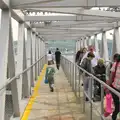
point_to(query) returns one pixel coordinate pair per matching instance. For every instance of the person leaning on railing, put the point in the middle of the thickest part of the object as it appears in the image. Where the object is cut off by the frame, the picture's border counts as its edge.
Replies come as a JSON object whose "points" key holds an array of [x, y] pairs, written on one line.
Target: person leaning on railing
{"points": [[114, 82], [86, 64]]}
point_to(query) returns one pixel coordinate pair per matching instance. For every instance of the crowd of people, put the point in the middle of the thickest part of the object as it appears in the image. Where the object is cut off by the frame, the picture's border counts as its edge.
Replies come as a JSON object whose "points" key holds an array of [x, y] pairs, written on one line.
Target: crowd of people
{"points": [[110, 74]]}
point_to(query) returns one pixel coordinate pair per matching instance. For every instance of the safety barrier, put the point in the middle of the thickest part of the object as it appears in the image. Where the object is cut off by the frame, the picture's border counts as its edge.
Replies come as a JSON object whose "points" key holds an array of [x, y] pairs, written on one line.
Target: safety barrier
{"points": [[73, 74], [13, 98]]}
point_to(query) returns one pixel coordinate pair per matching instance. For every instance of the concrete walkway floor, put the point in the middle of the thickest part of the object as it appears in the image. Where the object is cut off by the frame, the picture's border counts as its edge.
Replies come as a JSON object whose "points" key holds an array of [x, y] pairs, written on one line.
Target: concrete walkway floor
{"points": [[59, 105]]}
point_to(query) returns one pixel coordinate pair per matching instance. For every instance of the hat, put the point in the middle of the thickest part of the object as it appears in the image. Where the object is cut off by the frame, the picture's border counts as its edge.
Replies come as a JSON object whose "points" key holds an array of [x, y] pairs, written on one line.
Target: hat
{"points": [[101, 60]]}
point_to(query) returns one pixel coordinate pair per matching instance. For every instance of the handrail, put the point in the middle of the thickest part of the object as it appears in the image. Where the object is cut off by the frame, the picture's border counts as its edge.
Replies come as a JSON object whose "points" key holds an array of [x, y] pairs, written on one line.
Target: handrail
{"points": [[73, 81], [15, 77], [95, 78]]}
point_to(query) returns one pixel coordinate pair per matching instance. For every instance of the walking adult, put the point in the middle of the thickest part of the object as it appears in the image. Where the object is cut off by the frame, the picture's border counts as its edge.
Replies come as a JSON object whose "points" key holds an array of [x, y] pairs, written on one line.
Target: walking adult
{"points": [[50, 58], [79, 55], [57, 58]]}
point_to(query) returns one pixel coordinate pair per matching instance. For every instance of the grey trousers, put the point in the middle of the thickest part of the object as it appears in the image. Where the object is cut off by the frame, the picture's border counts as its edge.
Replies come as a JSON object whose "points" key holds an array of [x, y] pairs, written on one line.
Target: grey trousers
{"points": [[51, 82], [87, 85]]}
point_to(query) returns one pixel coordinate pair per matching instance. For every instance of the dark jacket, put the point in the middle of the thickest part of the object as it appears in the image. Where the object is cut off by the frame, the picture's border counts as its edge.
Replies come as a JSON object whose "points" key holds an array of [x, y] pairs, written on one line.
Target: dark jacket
{"points": [[79, 56], [100, 69], [57, 56]]}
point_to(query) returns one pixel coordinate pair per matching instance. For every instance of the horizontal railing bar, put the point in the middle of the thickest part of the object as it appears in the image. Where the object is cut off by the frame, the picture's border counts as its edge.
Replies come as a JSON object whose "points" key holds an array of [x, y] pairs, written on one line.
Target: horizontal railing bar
{"points": [[15, 77]]}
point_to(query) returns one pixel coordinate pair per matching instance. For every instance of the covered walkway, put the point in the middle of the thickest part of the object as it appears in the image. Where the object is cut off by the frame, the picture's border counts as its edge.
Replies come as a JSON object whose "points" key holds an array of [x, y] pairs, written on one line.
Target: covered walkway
{"points": [[40, 21], [59, 105]]}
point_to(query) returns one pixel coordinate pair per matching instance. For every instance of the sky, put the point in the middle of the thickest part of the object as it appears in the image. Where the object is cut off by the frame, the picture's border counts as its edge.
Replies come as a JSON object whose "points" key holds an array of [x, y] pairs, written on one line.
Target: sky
{"points": [[15, 30]]}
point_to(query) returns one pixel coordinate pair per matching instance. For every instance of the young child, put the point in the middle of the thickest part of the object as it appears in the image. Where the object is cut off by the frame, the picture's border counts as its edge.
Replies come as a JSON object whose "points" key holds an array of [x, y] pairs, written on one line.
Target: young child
{"points": [[50, 71]]}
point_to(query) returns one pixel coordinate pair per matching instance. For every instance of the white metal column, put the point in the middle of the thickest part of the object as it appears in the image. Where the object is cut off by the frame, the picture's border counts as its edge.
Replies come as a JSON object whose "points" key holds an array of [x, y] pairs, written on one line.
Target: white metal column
{"points": [[116, 42], [104, 50], [38, 55], [29, 58], [33, 54], [89, 41], [77, 45], [81, 43], [5, 46], [39, 52], [36, 48], [22, 63], [96, 43]]}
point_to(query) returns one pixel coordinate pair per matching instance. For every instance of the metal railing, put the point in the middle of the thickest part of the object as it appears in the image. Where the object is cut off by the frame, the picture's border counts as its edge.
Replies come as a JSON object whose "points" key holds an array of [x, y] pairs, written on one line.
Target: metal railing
{"points": [[75, 75], [7, 89]]}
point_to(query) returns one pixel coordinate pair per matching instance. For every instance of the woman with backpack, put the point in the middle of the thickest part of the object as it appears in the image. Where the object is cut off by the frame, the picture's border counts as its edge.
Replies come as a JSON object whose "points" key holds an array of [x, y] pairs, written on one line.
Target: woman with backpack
{"points": [[114, 82]]}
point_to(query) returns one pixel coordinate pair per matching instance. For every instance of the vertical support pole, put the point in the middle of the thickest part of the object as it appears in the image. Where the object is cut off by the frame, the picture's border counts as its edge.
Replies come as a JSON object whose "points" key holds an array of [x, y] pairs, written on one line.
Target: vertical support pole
{"points": [[35, 57], [96, 43], [40, 54], [36, 54], [81, 41], [85, 42], [5, 39], [29, 58], [76, 46], [33, 54], [102, 100], [91, 87], [89, 41], [21, 62], [104, 50], [41, 48], [116, 42], [11, 69]]}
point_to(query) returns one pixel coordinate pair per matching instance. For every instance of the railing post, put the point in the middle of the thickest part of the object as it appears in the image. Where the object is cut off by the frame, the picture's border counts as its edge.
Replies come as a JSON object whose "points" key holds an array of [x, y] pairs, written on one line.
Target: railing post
{"points": [[102, 100], [91, 90], [75, 80], [79, 88], [84, 97]]}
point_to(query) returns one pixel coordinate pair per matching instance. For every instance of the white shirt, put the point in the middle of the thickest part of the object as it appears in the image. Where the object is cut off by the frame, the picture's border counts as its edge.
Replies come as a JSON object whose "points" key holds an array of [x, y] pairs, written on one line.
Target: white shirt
{"points": [[49, 57], [94, 60]]}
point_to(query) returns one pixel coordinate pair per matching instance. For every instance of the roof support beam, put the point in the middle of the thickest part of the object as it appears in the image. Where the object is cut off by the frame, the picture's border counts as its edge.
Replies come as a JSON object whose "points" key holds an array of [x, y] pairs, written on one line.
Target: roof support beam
{"points": [[64, 3], [66, 18], [82, 12]]}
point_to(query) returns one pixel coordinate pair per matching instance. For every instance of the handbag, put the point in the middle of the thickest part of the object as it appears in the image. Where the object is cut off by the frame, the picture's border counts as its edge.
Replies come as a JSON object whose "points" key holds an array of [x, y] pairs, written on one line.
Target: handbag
{"points": [[108, 105], [46, 81]]}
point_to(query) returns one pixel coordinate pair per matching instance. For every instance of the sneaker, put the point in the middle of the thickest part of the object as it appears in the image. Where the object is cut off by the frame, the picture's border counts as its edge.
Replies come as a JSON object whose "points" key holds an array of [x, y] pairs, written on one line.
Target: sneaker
{"points": [[86, 99], [52, 90]]}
